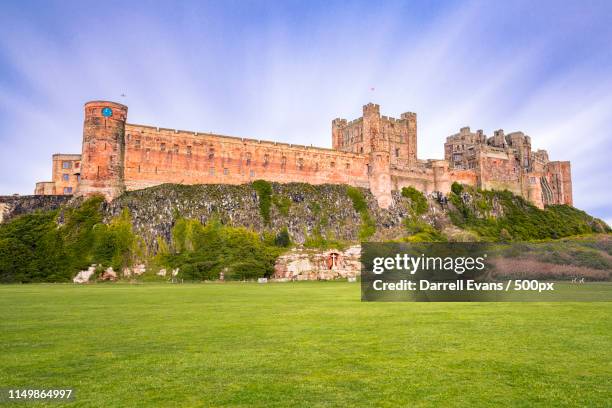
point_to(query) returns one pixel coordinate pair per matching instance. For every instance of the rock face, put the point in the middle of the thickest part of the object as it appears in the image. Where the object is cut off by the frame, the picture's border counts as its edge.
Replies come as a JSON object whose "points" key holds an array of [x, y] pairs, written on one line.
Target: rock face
{"points": [[84, 276], [303, 209], [12, 206], [303, 264], [109, 274]]}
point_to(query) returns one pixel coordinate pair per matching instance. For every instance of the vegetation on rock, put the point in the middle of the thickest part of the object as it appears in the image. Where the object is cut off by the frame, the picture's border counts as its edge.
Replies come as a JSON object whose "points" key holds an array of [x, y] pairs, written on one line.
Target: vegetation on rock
{"points": [[264, 192], [33, 248], [203, 252], [208, 229], [503, 216], [368, 226], [418, 202]]}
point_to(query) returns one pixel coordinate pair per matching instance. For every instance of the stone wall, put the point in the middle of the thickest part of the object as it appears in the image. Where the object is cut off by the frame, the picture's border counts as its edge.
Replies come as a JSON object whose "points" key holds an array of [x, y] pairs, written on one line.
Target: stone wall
{"points": [[155, 156]]}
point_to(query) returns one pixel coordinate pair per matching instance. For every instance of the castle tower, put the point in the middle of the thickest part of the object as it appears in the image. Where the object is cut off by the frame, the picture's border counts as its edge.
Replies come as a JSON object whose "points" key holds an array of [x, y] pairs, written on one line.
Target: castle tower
{"points": [[103, 149], [337, 126], [379, 170], [442, 182], [411, 125]]}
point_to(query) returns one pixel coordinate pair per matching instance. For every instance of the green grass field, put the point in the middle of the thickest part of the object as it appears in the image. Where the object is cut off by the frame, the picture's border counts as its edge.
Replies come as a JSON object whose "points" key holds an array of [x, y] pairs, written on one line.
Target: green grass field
{"points": [[299, 344]]}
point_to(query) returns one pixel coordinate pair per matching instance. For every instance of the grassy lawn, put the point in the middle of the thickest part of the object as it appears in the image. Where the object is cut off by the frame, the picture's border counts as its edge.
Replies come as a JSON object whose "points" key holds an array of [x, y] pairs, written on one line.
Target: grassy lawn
{"points": [[299, 344]]}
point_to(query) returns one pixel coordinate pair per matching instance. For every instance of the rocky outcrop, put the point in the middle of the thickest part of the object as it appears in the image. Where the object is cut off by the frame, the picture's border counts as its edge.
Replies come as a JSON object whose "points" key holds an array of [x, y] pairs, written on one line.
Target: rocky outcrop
{"points": [[304, 264], [12, 206], [304, 209], [109, 275], [85, 276]]}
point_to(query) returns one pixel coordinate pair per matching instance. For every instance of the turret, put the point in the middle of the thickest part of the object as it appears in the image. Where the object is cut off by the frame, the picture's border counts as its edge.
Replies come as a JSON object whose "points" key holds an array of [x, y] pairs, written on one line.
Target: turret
{"points": [[411, 124], [337, 126], [103, 149], [442, 180], [380, 176]]}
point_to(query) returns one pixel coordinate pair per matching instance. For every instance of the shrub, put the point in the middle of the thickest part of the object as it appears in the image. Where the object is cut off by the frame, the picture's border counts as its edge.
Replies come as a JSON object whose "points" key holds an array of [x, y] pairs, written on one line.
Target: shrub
{"points": [[457, 188], [264, 193], [282, 239], [33, 248], [418, 202], [218, 248]]}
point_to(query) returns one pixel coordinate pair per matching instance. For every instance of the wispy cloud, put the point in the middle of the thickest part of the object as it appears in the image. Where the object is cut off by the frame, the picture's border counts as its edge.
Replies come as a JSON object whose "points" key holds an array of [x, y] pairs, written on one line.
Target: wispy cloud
{"points": [[283, 72]]}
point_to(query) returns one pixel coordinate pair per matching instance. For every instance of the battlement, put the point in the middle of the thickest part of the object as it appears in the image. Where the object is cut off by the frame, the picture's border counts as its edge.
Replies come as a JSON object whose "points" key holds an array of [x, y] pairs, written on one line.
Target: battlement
{"points": [[372, 151]]}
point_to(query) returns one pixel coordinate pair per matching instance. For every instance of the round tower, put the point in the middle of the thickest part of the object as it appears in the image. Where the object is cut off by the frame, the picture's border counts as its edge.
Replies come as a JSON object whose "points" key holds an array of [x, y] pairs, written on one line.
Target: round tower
{"points": [[103, 149], [442, 182]]}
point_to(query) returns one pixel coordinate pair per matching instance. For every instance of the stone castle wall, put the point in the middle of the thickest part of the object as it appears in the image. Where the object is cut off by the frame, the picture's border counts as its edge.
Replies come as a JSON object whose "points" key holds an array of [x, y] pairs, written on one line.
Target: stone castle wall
{"points": [[373, 151], [155, 156]]}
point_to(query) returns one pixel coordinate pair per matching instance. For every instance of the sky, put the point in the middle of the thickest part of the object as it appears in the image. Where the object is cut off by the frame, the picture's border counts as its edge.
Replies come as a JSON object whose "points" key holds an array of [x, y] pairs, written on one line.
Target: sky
{"points": [[282, 70]]}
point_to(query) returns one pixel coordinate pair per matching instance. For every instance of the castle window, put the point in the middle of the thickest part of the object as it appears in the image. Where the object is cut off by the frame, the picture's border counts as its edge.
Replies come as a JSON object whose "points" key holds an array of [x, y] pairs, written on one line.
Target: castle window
{"points": [[79, 176], [397, 151], [248, 159], [137, 143], [300, 164], [226, 171], [77, 165], [162, 147], [361, 149], [348, 165], [211, 154], [252, 173], [266, 159], [65, 177], [188, 150], [211, 171], [67, 190], [176, 148], [66, 165], [332, 164]]}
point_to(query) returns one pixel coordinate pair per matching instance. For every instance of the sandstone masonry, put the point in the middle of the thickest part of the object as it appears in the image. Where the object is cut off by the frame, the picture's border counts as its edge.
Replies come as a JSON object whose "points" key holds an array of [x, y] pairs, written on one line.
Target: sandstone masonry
{"points": [[373, 151]]}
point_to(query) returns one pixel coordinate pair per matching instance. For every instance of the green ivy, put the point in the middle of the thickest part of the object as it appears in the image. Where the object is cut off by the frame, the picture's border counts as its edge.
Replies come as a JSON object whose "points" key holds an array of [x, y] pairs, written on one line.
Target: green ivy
{"points": [[368, 226], [264, 192]]}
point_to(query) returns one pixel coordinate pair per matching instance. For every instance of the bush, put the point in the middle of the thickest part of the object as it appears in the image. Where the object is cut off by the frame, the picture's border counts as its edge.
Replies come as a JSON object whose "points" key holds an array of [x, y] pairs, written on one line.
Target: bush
{"points": [[216, 248], [418, 202], [282, 239], [33, 248], [457, 188]]}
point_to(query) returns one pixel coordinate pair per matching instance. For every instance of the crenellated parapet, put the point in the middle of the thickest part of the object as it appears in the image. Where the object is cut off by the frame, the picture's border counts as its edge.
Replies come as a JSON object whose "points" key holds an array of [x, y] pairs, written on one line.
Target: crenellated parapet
{"points": [[373, 151]]}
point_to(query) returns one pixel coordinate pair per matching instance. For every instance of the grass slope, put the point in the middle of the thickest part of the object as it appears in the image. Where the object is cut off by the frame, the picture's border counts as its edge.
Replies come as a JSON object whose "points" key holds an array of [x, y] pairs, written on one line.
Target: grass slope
{"points": [[305, 344]]}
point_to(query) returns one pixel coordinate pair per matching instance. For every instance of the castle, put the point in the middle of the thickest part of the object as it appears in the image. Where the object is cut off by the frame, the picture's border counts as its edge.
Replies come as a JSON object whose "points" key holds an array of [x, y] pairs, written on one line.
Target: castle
{"points": [[373, 151]]}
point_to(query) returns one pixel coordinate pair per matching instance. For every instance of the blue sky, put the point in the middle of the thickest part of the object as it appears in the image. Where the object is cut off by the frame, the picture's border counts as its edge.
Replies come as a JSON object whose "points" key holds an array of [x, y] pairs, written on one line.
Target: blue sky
{"points": [[283, 70]]}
